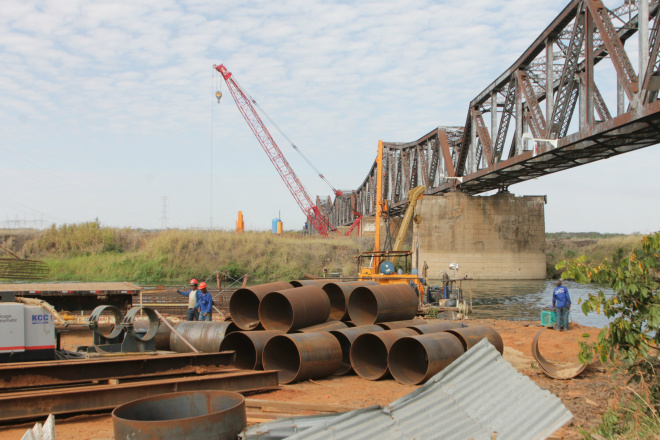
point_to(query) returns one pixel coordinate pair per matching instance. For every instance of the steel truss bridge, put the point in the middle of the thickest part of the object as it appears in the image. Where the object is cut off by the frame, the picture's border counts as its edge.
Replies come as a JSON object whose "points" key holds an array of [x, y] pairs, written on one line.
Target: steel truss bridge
{"points": [[536, 98]]}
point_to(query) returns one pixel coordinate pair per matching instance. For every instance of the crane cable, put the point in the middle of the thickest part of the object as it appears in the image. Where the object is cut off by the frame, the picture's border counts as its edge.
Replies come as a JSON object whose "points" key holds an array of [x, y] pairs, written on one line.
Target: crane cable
{"points": [[334, 190]]}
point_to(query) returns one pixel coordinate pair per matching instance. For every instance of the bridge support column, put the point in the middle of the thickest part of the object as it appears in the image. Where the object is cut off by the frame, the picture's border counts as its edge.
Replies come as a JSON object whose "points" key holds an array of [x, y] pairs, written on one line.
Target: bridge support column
{"points": [[493, 237]]}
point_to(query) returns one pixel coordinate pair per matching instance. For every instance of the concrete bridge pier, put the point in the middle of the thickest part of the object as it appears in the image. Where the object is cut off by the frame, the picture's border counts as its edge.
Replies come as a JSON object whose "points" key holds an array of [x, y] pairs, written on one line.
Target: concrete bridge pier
{"points": [[491, 237]]}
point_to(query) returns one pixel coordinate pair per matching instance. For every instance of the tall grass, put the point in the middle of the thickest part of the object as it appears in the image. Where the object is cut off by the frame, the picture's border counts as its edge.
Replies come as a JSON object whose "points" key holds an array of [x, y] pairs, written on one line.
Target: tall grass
{"points": [[87, 252]]}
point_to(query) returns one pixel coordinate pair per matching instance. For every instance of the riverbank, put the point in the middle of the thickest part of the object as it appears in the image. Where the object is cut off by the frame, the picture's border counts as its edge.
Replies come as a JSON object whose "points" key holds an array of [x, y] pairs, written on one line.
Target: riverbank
{"points": [[90, 252]]}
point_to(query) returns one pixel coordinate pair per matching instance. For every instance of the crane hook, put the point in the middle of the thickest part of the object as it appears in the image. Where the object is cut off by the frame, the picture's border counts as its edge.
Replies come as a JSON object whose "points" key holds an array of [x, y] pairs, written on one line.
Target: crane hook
{"points": [[218, 95]]}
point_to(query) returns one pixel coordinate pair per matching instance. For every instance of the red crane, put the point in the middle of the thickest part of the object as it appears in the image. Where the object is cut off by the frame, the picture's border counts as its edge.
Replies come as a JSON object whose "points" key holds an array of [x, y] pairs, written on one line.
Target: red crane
{"points": [[314, 215]]}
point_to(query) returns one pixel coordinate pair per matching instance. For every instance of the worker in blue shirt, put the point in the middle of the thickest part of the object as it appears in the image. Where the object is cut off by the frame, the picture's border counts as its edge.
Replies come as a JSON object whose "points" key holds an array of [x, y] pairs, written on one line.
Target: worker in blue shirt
{"points": [[193, 300], [562, 303], [205, 304]]}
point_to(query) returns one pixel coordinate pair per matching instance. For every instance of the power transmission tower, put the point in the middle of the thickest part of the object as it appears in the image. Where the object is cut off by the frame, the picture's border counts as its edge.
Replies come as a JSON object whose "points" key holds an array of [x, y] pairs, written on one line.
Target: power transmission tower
{"points": [[163, 219]]}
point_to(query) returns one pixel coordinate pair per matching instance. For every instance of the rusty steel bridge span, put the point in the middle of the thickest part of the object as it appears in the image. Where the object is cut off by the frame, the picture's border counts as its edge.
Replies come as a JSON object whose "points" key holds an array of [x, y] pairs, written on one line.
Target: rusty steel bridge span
{"points": [[518, 127]]}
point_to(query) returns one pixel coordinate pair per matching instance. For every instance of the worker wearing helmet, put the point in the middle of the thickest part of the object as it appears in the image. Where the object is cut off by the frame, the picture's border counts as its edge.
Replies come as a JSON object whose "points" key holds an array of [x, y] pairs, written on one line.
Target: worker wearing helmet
{"points": [[205, 304], [194, 296]]}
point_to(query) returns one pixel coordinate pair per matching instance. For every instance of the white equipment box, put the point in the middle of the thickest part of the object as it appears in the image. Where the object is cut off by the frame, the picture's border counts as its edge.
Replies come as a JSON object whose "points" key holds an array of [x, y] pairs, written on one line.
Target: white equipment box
{"points": [[26, 333]]}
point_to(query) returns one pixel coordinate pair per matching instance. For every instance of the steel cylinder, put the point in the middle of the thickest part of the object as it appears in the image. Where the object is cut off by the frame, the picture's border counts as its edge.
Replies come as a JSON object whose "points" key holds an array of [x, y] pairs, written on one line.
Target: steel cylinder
{"points": [[393, 325], [391, 302], [415, 359], [295, 308], [469, 336], [204, 336], [249, 347], [244, 303], [193, 415], [162, 338], [435, 326], [346, 337], [324, 327], [338, 294], [369, 352], [301, 356]]}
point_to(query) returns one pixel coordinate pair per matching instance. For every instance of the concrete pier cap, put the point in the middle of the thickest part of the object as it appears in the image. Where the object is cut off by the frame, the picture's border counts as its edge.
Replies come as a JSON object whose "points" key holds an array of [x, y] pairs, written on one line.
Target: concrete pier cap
{"points": [[501, 236]]}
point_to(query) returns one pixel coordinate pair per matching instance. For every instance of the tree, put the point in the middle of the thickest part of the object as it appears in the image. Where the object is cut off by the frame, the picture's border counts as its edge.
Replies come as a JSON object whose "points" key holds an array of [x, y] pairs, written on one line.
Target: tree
{"points": [[633, 335]]}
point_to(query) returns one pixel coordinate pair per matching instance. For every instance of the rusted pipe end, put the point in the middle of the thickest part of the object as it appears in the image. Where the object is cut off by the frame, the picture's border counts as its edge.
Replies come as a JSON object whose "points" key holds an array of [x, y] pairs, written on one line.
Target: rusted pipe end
{"points": [[556, 371], [346, 338], [415, 359], [302, 356], [381, 303], [338, 294], [363, 306], [244, 303], [248, 347], [369, 352]]}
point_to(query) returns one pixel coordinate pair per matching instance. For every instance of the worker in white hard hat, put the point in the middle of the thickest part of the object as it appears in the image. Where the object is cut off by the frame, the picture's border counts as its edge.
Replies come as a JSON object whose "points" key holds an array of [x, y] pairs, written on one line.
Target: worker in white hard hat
{"points": [[194, 296]]}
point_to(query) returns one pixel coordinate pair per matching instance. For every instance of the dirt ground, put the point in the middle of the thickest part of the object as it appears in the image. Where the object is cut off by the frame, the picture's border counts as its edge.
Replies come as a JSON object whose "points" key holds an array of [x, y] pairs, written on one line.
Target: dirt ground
{"points": [[587, 396]]}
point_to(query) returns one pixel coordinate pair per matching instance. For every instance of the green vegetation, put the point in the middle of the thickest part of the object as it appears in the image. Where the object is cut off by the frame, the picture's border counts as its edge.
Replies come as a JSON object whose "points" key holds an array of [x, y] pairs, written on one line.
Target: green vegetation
{"points": [[90, 252], [632, 338]]}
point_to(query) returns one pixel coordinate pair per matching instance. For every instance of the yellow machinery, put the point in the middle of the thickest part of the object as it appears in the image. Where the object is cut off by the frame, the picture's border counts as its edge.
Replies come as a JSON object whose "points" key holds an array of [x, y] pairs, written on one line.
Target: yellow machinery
{"points": [[380, 265]]}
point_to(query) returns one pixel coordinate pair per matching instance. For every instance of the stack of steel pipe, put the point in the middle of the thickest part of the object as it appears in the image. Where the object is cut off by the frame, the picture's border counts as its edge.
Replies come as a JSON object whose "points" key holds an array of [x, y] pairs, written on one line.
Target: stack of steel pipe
{"points": [[408, 323], [291, 309], [244, 303], [470, 336], [249, 347], [302, 356], [338, 294], [391, 302]]}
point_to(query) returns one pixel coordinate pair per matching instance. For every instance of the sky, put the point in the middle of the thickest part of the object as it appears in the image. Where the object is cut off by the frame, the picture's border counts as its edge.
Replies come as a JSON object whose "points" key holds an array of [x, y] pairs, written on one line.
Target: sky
{"points": [[108, 109]]}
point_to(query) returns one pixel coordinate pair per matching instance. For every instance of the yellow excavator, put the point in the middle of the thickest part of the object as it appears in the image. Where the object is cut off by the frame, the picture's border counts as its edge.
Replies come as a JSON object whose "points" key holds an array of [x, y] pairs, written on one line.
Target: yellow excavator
{"points": [[380, 266]]}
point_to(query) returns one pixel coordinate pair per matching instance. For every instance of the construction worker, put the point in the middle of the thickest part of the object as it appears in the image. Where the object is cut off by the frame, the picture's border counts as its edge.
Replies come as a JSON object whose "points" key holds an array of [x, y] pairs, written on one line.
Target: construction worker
{"points": [[561, 301], [205, 304], [194, 296]]}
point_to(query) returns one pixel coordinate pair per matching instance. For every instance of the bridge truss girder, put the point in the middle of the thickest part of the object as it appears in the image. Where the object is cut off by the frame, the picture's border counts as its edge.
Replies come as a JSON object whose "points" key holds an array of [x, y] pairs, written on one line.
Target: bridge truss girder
{"points": [[539, 94]]}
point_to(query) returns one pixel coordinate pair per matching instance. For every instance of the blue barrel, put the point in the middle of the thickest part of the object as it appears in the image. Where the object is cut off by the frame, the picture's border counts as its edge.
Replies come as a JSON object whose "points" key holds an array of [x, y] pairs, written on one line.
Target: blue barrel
{"points": [[275, 221]]}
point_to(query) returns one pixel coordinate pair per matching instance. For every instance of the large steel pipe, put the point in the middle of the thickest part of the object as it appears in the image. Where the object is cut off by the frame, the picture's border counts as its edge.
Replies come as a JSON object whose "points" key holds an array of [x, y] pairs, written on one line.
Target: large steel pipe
{"points": [[392, 302], [435, 326], [244, 303], [415, 359], [346, 337], [190, 415], [324, 327], [204, 336], [393, 325], [295, 308], [338, 294], [249, 347], [302, 356], [369, 352], [469, 336], [301, 283]]}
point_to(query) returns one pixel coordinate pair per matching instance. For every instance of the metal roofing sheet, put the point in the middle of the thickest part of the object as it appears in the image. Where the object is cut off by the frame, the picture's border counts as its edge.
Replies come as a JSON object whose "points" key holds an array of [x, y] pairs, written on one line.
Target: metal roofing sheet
{"points": [[478, 395], [73, 287]]}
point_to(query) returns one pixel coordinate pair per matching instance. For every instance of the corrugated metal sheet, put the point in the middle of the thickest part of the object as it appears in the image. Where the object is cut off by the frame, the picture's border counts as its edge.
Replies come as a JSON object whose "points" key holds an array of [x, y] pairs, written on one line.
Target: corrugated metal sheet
{"points": [[479, 396], [72, 287]]}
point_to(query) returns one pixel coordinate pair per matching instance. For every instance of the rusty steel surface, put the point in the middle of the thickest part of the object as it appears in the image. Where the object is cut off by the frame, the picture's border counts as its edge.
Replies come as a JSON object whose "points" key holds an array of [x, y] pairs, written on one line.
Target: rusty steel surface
{"points": [[324, 327], [295, 308], [434, 327], [205, 336], [338, 294], [415, 359], [244, 303], [561, 371], [408, 323], [301, 356], [470, 336], [551, 88], [248, 347], [346, 337], [73, 400], [33, 374], [369, 352], [392, 302], [319, 283], [192, 415]]}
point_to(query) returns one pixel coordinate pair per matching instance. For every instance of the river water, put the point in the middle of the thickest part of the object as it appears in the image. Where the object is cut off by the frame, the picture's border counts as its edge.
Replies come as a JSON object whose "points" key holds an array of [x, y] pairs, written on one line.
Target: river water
{"points": [[523, 300]]}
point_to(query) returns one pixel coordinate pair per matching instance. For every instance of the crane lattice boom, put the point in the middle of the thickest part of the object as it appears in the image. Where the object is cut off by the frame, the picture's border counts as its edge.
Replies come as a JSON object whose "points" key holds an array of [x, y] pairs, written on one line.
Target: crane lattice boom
{"points": [[275, 155]]}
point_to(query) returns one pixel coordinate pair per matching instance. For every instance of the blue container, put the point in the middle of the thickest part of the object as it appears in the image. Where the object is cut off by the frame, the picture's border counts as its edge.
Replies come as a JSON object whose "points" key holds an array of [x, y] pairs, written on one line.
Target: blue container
{"points": [[275, 220]]}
